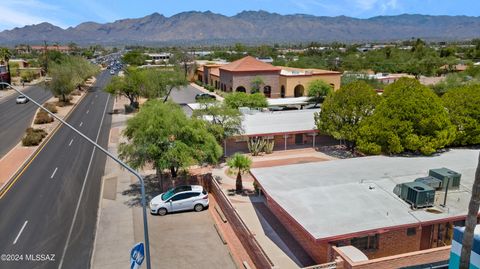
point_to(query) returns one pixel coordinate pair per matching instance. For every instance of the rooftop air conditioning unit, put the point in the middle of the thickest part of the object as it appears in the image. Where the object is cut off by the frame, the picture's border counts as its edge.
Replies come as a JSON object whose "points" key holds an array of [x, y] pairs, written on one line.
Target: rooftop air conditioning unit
{"points": [[430, 181], [417, 194], [444, 174]]}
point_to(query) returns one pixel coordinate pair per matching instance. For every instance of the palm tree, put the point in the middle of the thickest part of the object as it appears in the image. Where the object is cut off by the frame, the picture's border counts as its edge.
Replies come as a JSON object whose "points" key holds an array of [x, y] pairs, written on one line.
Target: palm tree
{"points": [[471, 221], [242, 163], [5, 55]]}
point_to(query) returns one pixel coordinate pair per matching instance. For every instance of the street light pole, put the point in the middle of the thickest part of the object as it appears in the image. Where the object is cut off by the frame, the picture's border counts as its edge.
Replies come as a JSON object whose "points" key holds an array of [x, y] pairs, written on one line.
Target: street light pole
{"points": [[124, 165]]}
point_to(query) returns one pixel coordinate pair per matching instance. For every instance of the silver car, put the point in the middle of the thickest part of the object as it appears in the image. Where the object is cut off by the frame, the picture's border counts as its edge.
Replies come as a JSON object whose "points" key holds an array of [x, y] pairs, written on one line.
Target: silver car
{"points": [[182, 198], [21, 99]]}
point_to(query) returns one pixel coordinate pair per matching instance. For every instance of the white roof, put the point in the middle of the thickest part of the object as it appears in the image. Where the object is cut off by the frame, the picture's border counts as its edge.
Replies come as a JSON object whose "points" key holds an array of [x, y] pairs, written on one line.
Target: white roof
{"points": [[262, 123], [288, 101], [335, 198]]}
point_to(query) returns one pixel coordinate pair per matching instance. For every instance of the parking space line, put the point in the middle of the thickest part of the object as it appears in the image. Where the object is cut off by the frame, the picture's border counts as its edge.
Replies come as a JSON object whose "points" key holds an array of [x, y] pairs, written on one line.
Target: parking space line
{"points": [[71, 141], [88, 111], [81, 123], [55, 171], [19, 233]]}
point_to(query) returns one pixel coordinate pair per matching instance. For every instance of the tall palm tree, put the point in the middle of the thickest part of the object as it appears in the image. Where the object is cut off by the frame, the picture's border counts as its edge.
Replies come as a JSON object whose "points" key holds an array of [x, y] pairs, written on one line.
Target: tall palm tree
{"points": [[471, 221], [243, 164]]}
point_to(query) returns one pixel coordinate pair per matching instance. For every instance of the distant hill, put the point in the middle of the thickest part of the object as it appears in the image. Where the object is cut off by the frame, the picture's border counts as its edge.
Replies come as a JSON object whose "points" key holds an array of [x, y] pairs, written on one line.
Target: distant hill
{"points": [[249, 27]]}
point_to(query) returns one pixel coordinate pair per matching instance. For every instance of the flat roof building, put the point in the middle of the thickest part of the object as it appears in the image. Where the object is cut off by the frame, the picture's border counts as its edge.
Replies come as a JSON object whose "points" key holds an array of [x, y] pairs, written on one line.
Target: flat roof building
{"points": [[351, 202]]}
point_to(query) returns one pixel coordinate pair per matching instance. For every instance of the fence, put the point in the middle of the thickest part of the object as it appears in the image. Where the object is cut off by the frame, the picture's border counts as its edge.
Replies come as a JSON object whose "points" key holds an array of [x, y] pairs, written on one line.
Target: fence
{"points": [[253, 248]]}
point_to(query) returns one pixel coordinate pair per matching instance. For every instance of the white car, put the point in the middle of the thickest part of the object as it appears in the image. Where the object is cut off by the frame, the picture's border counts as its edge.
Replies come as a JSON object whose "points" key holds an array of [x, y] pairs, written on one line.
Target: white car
{"points": [[21, 99], [112, 72], [189, 197]]}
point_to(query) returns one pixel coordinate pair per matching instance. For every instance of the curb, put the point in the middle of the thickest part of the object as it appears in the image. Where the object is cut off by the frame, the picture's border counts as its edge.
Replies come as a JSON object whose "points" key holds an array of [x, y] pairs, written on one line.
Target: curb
{"points": [[9, 183], [100, 200]]}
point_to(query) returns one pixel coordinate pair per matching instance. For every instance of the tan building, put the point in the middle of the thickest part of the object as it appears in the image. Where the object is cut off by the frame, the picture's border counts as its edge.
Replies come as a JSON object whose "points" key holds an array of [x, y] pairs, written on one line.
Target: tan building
{"points": [[277, 81]]}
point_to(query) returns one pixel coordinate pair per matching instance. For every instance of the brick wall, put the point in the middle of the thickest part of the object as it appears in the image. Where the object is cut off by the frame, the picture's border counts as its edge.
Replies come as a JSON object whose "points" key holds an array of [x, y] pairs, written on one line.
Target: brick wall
{"points": [[396, 242], [398, 261], [245, 79]]}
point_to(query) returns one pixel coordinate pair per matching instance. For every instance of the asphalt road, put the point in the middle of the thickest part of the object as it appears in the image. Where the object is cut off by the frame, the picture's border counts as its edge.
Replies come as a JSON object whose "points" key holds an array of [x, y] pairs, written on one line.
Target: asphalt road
{"points": [[52, 207], [14, 119], [183, 96]]}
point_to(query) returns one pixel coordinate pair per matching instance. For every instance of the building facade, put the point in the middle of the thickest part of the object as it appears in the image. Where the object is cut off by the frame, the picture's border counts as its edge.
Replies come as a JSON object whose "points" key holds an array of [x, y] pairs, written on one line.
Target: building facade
{"points": [[250, 74]]}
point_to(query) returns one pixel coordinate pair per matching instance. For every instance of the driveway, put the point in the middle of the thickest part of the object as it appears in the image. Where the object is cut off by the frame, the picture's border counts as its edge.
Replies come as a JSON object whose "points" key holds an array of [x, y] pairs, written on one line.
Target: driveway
{"points": [[184, 240]]}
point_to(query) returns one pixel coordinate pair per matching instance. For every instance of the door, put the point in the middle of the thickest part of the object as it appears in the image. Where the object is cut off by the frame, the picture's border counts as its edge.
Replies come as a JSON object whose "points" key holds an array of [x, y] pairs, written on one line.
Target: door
{"points": [[299, 139], [426, 238], [179, 202]]}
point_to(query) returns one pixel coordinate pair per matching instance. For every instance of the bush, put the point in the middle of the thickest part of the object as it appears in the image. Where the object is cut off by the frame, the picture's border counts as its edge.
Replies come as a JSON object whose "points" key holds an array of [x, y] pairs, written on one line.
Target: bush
{"points": [[51, 107], [43, 117], [33, 137], [27, 76]]}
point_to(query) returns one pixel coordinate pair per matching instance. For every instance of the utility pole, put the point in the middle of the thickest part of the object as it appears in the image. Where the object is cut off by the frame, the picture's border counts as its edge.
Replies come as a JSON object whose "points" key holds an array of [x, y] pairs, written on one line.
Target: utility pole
{"points": [[45, 54]]}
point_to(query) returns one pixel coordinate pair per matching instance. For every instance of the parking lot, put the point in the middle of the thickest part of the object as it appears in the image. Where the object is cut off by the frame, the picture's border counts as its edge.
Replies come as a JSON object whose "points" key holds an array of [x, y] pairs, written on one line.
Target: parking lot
{"points": [[184, 240]]}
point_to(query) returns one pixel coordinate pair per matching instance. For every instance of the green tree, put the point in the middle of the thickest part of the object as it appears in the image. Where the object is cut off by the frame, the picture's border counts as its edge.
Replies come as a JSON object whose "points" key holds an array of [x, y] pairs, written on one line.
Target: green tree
{"points": [[162, 135], [135, 58], [242, 163], [344, 110], [64, 80], [410, 117], [223, 121], [318, 90], [463, 106], [5, 55], [241, 99], [256, 84]]}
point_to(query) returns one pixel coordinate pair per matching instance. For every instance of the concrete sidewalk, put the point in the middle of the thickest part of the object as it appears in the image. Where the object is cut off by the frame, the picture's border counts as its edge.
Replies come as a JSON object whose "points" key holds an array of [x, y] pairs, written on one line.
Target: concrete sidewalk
{"points": [[115, 231]]}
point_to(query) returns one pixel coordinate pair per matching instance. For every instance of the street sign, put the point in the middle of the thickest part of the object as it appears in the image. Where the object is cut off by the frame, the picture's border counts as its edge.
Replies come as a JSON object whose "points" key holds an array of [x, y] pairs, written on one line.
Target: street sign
{"points": [[137, 255]]}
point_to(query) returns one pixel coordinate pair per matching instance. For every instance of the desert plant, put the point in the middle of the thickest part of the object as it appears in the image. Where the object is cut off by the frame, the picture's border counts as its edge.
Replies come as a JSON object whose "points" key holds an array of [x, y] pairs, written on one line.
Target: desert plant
{"points": [[42, 118], [33, 137], [268, 148], [51, 107], [256, 145]]}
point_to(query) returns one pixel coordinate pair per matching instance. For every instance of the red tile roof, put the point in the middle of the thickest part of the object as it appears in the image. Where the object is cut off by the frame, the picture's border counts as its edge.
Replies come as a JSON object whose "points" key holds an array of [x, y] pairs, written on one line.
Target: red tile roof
{"points": [[247, 64]]}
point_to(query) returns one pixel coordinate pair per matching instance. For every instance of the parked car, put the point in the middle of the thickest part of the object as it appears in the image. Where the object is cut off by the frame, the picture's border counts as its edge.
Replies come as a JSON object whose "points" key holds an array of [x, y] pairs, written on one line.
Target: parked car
{"points": [[181, 198], [205, 96], [21, 99], [112, 72]]}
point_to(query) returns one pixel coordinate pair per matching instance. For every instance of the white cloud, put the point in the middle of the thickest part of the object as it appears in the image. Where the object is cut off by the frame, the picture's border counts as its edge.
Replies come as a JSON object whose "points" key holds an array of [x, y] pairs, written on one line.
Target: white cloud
{"points": [[381, 5], [18, 13]]}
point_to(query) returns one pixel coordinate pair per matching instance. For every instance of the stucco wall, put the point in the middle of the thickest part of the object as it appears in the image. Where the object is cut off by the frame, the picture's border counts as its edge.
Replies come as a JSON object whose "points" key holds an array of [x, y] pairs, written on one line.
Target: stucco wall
{"points": [[290, 82]]}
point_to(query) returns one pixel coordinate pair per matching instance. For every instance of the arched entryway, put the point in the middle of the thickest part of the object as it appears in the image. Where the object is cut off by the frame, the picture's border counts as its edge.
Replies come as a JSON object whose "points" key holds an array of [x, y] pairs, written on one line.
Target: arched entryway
{"points": [[299, 90], [282, 91], [241, 89], [267, 91]]}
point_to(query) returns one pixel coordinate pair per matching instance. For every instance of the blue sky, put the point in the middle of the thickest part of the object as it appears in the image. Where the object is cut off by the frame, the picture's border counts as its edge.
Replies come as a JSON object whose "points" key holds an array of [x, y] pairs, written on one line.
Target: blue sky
{"points": [[65, 13]]}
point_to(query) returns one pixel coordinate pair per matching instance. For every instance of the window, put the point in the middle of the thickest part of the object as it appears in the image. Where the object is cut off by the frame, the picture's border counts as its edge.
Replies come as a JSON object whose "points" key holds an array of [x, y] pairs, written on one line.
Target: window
{"points": [[182, 188], [366, 242], [181, 196], [411, 231]]}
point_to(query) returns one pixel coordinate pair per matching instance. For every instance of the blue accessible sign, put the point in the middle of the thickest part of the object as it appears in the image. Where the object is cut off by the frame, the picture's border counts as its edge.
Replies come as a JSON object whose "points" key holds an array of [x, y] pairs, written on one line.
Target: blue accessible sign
{"points": [[137, 256]]}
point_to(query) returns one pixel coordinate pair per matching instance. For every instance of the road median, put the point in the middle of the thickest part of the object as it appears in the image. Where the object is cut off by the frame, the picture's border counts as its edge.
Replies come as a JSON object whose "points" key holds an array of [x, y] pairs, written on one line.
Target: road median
{"points": [[15, 162]]}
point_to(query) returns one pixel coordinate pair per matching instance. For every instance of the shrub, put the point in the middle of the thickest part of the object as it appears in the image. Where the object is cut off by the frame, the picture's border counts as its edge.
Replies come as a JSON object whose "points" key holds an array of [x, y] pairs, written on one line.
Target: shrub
{"points": [[27, 76], [129, 109], [43, 117], [51, 107], [33, 137]]}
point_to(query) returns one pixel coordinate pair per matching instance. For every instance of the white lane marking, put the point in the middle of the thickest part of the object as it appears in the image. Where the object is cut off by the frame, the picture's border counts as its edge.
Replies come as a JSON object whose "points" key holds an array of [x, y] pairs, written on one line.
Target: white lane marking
{"points": [[56, 168], [19, 233], [71, 141], [83, 188], [81, 123], [88, 111]]}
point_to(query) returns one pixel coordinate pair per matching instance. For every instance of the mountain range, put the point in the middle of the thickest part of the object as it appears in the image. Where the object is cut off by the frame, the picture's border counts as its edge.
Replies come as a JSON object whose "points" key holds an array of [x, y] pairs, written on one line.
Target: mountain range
{"points": [[251, 27]]}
